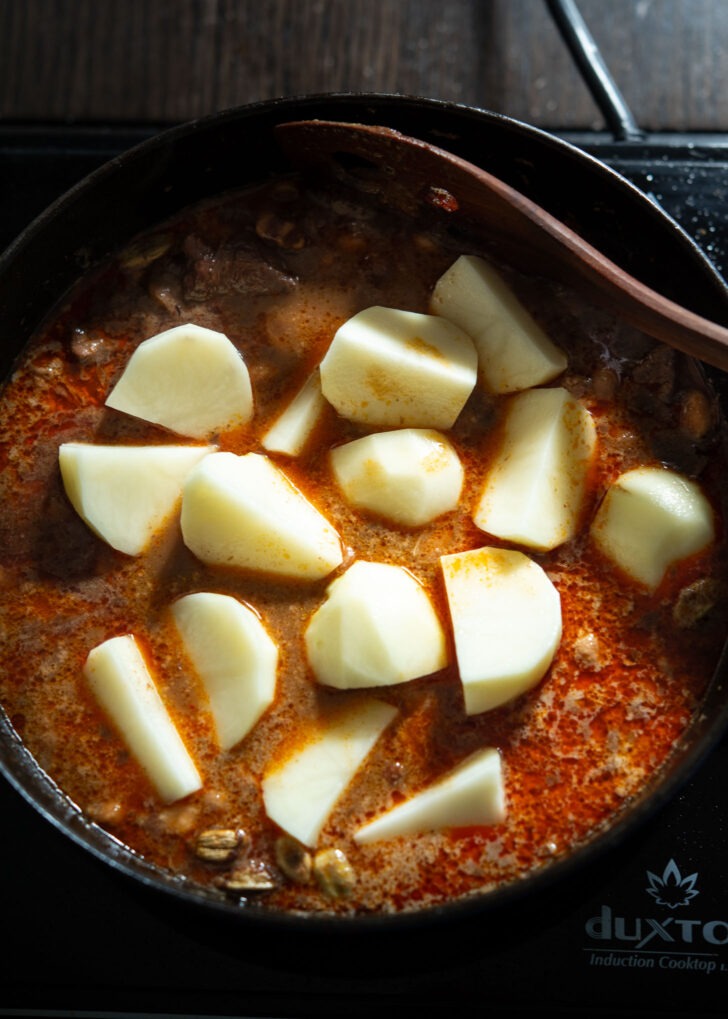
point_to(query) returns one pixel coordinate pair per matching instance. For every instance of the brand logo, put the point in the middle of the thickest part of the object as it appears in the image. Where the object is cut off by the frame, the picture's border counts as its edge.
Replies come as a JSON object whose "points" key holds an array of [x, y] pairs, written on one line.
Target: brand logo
{"points": [[671, 890], [660, 942]]}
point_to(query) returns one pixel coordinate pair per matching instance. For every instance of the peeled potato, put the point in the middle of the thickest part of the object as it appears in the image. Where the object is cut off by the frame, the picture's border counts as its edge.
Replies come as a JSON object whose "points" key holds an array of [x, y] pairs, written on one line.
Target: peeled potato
{"points": [[234, 656], [650, 518], [398, 369], [300, 794], [410, 475], [534, 490], [189, 379], [244, 512], [126, 494], [120, 680], [471, 794], [514, 352], [291, 430], [506, 620], [377, 627]]}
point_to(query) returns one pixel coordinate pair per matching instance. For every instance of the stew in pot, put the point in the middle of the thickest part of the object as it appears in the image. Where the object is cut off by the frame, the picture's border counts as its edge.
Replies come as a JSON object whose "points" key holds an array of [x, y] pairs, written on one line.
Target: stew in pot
{"points": [[374, 619]]}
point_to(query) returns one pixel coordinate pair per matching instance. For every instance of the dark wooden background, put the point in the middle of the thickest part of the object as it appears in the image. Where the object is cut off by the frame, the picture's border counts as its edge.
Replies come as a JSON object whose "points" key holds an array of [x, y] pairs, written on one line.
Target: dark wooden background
{"points": [[169, 60]]}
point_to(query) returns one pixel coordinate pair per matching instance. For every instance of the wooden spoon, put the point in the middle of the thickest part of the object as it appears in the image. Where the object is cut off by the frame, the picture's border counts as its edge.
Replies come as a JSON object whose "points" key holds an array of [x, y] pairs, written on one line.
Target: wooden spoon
{"points": [[417, 177]]}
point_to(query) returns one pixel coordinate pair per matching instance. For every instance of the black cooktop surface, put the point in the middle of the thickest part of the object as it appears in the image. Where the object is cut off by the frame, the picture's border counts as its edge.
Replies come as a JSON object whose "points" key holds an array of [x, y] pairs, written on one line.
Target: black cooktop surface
{"points": [[640, 932]]}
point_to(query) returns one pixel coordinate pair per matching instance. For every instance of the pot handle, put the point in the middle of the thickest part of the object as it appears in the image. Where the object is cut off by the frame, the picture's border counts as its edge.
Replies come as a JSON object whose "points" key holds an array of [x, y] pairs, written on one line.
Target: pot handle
{"points": [[575, 33]]}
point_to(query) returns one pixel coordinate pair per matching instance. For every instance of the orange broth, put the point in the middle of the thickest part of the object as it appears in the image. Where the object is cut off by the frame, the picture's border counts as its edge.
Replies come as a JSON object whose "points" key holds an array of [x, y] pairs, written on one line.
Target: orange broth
{"points": [[278, 269]]}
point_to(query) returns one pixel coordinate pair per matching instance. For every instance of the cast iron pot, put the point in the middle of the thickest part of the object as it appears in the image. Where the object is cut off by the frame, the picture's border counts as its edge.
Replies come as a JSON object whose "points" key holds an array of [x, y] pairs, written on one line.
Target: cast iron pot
{"points": [[149, 183]]}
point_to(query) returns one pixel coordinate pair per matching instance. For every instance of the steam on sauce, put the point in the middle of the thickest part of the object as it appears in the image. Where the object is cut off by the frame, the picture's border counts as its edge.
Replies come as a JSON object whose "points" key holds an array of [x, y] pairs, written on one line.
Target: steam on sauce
{"points": [[278, 270]]}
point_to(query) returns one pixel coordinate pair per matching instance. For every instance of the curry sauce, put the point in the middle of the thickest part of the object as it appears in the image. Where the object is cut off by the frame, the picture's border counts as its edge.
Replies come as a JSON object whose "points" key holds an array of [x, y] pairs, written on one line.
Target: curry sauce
{"points": [[278, 269]]}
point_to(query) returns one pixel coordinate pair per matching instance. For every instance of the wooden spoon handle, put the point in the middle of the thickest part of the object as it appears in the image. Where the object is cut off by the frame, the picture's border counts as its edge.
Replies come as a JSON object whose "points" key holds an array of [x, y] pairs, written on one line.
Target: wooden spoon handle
{"points": [[418, 177]]}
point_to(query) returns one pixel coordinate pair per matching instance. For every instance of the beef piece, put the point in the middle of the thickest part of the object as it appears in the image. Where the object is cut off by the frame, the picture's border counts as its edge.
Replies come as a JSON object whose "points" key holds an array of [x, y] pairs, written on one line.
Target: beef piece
{"points": [[230, 269]]}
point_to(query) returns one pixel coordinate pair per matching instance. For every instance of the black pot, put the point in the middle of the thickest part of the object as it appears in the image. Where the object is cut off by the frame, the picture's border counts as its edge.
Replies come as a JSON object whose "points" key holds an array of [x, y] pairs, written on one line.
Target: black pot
{"points": [[230, 149]]}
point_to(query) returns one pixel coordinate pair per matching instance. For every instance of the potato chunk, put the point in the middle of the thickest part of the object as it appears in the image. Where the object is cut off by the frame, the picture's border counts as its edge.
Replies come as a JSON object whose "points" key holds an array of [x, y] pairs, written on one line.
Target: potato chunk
{"points": [[291, 430], [471, 794], [244, 512], [410, 476], [392, 368], [506, 619], [650, 518], [534, 491], [234, 657], [377, 627], [120, 680], [514, 352], [189, 379], [300, 793], [126, 494]]}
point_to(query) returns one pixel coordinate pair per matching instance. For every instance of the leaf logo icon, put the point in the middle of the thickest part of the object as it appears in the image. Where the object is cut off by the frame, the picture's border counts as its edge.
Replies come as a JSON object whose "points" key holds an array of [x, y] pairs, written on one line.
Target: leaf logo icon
{"points": [[672, 889]]}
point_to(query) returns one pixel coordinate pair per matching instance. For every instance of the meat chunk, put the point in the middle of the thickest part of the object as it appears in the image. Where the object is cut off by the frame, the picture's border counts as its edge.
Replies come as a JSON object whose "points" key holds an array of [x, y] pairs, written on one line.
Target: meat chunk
{"points": [[230, 269]]}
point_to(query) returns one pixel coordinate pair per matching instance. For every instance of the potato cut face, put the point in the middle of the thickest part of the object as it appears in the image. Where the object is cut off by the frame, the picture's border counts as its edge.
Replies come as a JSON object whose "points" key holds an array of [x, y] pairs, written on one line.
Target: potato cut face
{"points": [[301, 793], [650, 519], [127, 494], [120, 680], [243, 512], [189, 379], [473, 794], [377, 627], [234, 656], [393, 368], [506, 621], [534, 491], [410, 476], [290, 432], [514, 352]]}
